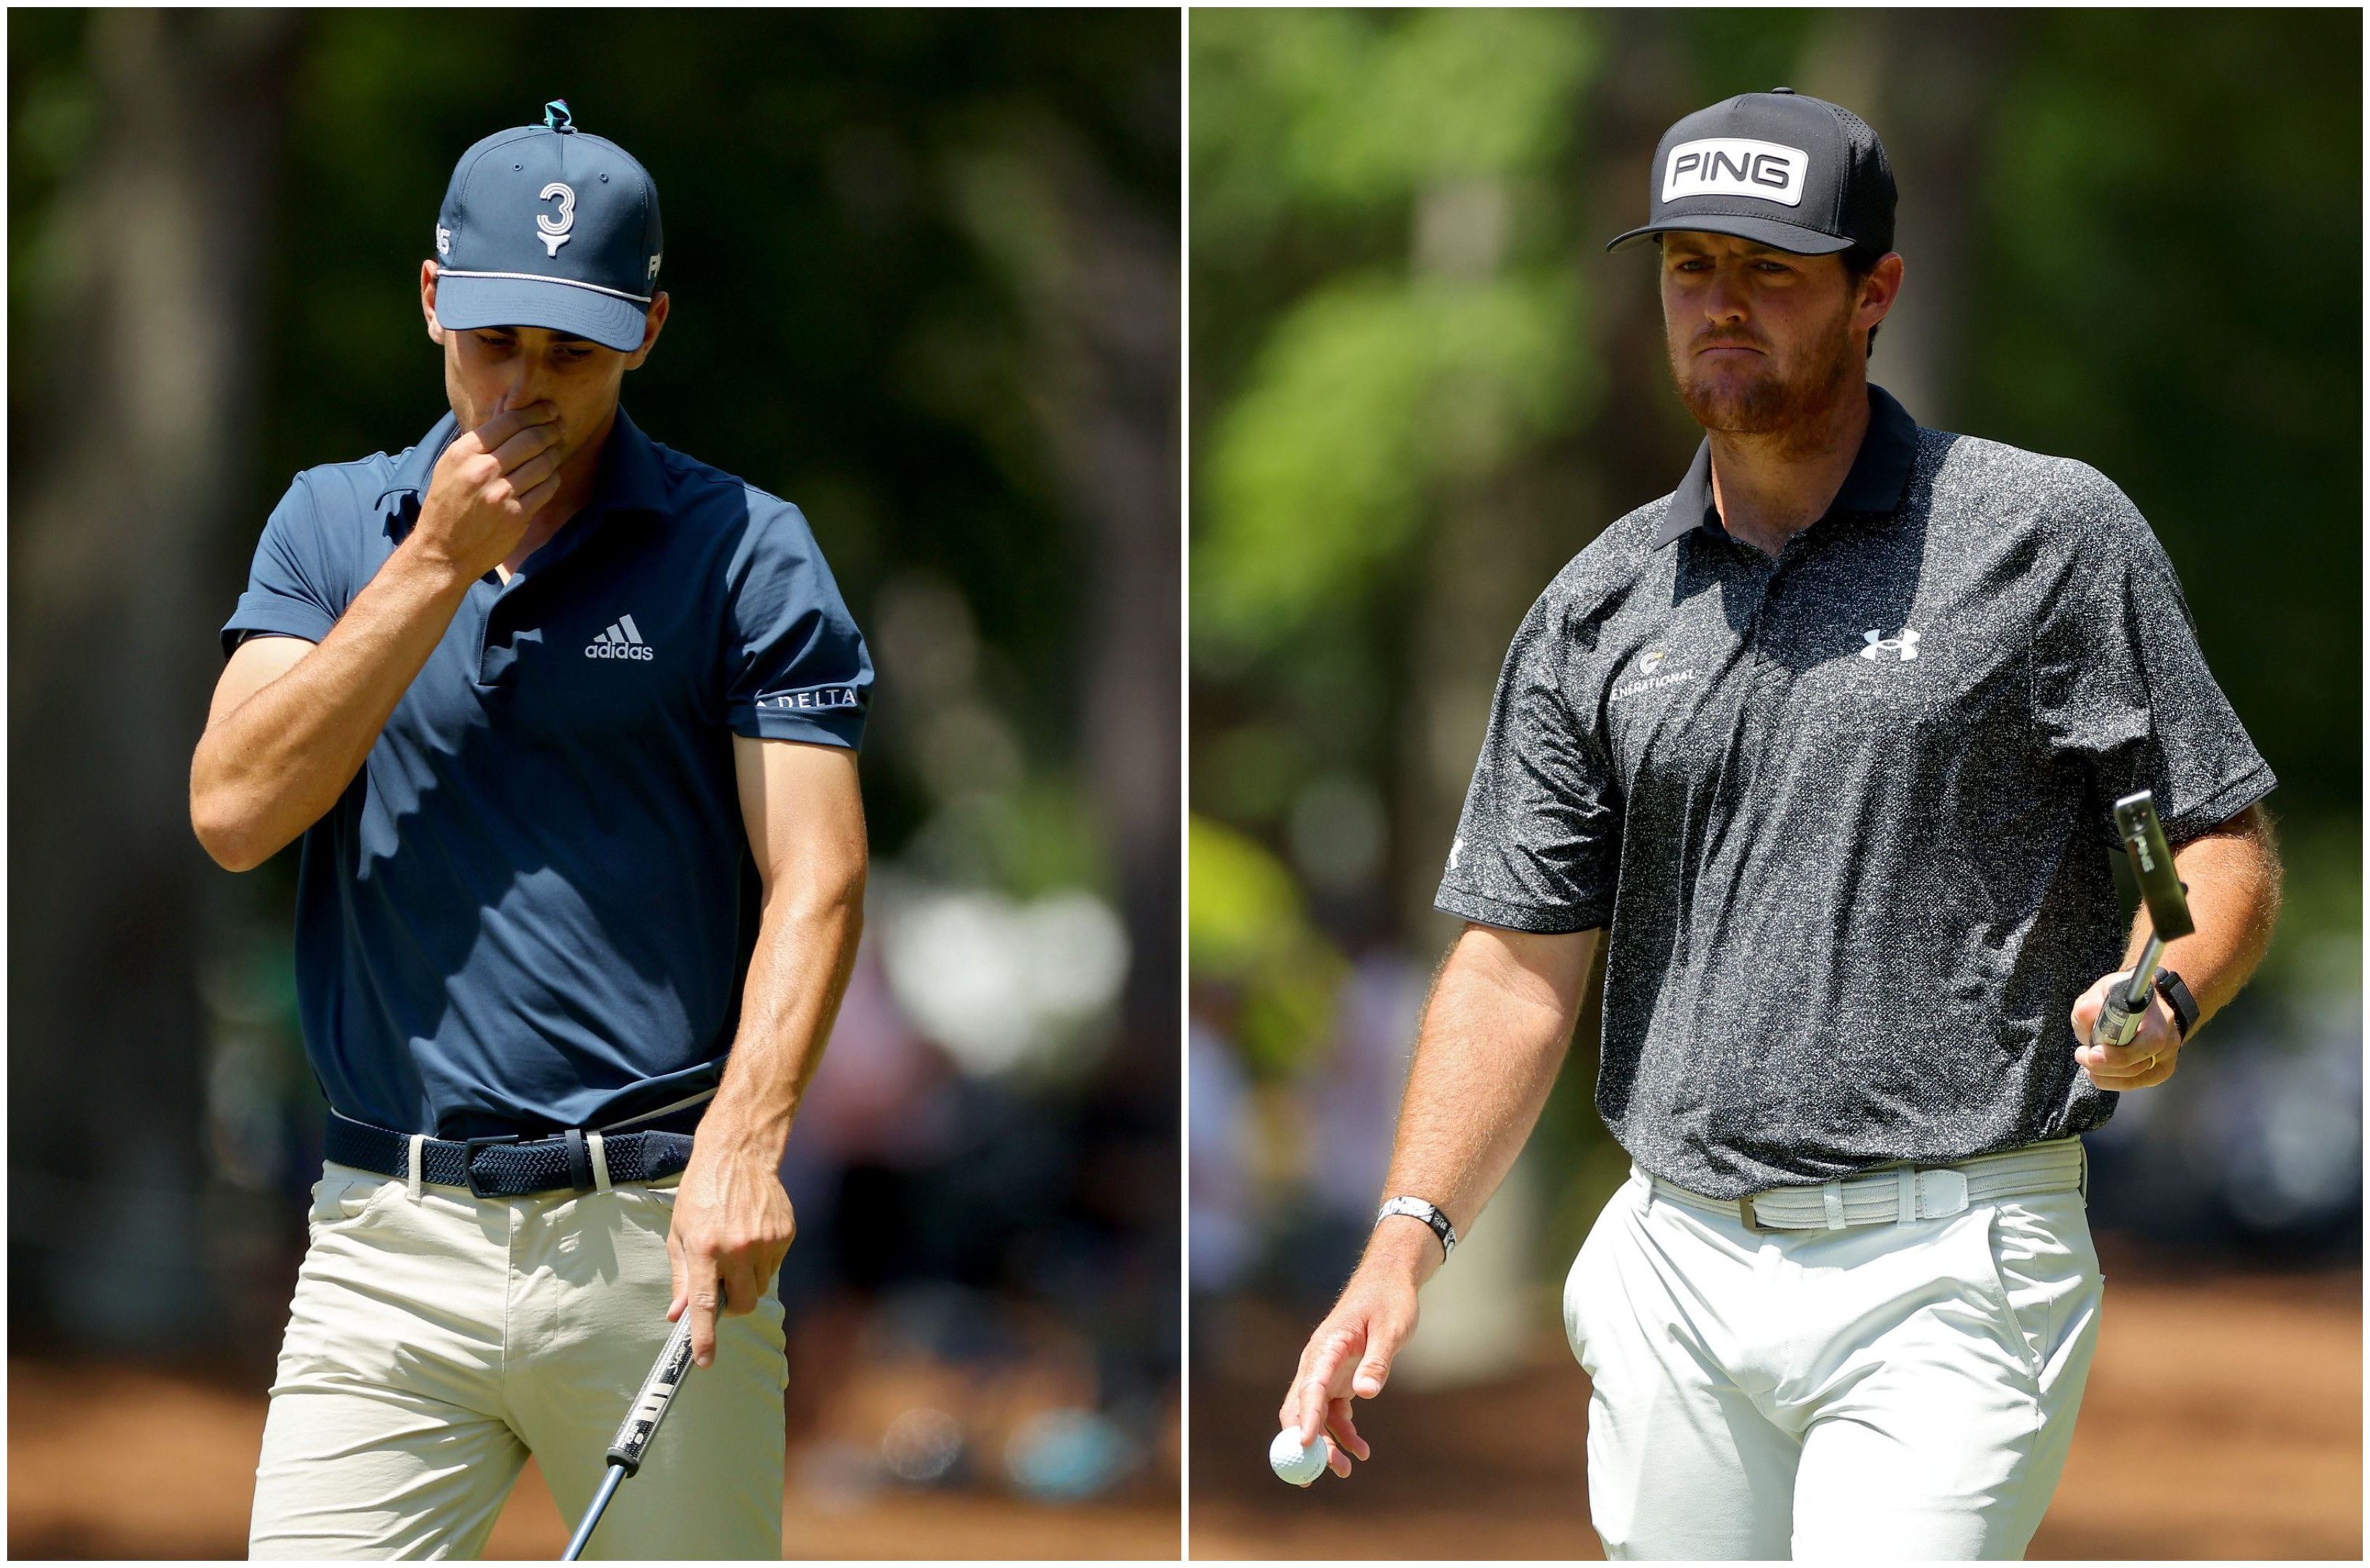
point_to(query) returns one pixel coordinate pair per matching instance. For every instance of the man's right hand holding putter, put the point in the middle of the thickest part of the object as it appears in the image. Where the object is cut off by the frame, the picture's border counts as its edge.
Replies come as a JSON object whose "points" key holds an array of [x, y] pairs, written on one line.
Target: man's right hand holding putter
{"points": [[1494, 1033]]}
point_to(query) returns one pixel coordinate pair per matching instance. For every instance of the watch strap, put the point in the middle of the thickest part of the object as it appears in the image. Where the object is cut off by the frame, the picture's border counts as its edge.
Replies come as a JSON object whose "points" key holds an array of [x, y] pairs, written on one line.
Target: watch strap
{"points": [[2184, 1003], [1416, 1208]]}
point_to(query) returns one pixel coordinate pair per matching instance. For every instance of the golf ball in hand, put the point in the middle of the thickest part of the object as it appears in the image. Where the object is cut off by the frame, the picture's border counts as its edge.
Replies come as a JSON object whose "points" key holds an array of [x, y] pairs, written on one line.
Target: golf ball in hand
{"points": [[1294, 1460]]}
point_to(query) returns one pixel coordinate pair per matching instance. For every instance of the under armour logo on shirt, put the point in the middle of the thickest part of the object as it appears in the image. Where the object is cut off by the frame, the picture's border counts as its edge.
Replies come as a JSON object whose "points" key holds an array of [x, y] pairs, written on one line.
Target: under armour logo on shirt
{"points": [[1903, 647]]}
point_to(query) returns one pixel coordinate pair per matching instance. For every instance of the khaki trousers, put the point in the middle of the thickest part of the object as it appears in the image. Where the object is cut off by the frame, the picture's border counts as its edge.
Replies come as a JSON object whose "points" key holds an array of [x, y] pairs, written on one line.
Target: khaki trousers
{"points": [[437, 1339]]}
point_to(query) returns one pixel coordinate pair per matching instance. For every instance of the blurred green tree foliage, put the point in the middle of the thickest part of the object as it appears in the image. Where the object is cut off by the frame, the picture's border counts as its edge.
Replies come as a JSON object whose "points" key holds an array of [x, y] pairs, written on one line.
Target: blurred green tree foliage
{"points": [[2169, 285], [1393, 369], [1249, 932]]}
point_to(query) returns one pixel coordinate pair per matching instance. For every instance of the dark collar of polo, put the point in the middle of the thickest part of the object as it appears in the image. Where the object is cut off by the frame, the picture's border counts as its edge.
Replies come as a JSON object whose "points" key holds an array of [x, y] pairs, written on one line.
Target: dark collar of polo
{"points": [[1879, 474], [630, 479]]}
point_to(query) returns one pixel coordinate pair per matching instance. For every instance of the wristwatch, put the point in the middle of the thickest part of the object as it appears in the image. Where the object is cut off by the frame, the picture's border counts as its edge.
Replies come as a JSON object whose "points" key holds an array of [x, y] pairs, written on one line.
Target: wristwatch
{"points": [[1416, 1209], [2184, 1005]]}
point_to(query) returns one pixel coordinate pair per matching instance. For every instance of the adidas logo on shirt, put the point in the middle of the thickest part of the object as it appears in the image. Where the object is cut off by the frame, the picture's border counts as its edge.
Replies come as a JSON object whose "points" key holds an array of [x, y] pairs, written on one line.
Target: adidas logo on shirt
{"points": [[622, 640]]}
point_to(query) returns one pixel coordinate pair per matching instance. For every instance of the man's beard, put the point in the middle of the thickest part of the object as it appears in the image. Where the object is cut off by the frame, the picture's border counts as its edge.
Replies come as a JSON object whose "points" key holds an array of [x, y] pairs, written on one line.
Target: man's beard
{"points": [[1767, 401]]}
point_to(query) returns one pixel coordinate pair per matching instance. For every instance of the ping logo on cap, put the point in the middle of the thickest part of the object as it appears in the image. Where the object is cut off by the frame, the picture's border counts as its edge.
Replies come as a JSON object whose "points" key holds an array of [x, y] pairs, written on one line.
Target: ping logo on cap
{"points": [[1729, 166]]}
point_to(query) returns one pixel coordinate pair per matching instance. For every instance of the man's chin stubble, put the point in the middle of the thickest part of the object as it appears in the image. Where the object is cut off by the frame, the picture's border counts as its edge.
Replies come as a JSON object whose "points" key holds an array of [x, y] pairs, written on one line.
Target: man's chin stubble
{"points": [[1757, 409], [1765, 404]]}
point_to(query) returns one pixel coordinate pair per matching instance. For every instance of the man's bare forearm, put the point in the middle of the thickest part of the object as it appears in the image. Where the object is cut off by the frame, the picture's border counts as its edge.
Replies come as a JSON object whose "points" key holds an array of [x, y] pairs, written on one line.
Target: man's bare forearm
{"points": [[270, 767], [1494, 1035], [2233, 875], [806, 950]]}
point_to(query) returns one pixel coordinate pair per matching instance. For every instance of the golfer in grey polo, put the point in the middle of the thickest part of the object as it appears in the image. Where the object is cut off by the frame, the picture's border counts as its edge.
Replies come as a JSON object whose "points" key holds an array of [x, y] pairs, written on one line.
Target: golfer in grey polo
{"points": [[1827, 741]]}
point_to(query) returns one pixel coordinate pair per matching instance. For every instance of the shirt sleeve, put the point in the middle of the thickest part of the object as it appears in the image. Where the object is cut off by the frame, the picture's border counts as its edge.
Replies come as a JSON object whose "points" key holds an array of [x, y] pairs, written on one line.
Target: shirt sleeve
{"points": [[2122, 691], [796, 667], [292, 587], [1538, 844]]}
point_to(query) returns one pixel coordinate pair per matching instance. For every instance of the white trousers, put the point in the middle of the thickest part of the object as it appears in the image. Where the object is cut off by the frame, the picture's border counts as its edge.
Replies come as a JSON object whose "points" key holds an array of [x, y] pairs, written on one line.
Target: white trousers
{"points": [[437, 1339], [1879, 1391]]}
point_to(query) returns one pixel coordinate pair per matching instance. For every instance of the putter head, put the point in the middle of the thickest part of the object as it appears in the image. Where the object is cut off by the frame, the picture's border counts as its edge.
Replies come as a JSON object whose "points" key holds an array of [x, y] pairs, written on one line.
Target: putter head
{"points": [[2160, 888]]}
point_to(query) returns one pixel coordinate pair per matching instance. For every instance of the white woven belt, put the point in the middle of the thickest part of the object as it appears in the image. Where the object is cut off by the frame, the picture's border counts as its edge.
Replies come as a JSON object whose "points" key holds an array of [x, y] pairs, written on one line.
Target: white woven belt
{"points": [[1897, 1196]]}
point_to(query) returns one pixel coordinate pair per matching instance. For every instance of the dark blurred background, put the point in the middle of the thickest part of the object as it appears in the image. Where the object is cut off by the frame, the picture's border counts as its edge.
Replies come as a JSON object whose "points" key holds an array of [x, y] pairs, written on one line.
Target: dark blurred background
{"points": [[925, 278], [1420, 387]]}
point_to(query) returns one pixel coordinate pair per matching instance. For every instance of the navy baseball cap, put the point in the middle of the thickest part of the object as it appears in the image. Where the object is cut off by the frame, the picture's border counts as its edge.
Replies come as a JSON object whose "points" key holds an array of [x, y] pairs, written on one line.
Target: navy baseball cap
{"points": [[547, 226], [1794, 173]]}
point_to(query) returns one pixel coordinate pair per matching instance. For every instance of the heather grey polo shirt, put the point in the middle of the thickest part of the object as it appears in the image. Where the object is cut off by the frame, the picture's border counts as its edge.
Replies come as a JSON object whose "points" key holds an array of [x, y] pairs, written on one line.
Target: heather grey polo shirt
{"points": [[1847, 811]]}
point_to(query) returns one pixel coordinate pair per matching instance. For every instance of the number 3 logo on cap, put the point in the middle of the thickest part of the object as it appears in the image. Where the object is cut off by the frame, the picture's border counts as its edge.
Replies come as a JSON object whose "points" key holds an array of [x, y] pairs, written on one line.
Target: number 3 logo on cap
{"points": [[555, 233]]}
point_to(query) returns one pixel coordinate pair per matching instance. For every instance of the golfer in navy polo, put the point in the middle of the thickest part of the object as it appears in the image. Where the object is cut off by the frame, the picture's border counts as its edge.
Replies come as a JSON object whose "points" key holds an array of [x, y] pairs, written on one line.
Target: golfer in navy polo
{"points": [[566, 722]]}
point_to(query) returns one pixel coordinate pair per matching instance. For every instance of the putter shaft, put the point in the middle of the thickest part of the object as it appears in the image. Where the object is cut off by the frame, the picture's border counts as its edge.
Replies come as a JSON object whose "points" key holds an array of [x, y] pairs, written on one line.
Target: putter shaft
{"points": [[593, 1515], [641, 1423]]}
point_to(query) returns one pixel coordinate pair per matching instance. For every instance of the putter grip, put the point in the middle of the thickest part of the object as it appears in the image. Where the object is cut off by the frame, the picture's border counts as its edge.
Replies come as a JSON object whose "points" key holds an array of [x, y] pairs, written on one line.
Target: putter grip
{"points": [[2118, 1019], [651, 1405]]}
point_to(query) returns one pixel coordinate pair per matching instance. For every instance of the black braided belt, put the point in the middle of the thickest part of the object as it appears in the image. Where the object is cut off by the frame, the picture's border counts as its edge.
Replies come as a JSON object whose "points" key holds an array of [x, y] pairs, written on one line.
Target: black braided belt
{"points": [[513, 1165]]}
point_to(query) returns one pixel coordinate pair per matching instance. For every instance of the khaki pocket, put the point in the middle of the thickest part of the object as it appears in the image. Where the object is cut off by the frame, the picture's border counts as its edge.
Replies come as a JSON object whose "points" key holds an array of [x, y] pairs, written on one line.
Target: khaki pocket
{"points": [[640, 1205], [648, 1194], [342, 1196]]}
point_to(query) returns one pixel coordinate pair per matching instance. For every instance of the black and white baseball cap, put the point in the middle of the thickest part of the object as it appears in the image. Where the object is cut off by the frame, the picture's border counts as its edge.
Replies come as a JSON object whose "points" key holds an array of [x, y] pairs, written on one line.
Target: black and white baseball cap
{"points": [[547, 226], [1791, 172]]}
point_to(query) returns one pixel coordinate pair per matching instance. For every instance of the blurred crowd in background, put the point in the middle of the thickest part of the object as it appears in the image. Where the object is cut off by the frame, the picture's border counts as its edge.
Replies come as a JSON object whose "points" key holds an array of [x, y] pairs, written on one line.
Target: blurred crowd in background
{"points": [[924, 269], [1420, 387]]}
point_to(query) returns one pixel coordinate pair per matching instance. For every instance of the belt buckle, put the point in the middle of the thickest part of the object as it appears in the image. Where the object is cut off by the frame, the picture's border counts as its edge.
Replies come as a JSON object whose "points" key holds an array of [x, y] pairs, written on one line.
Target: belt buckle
{"points": [[469, 1146], [1751, 1221]]}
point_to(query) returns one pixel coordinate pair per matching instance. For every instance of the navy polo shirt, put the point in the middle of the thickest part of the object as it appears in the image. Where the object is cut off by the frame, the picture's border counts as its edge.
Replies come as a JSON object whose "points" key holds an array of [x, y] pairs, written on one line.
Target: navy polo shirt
{"points": [[533, 905]]}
